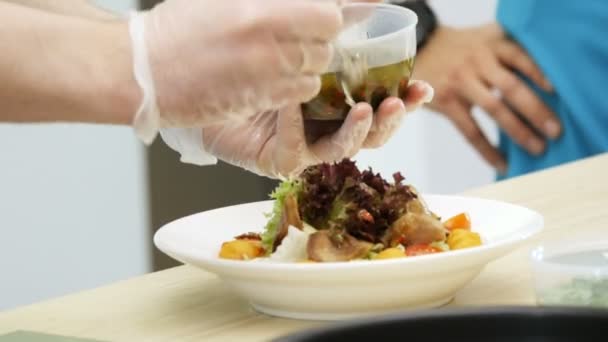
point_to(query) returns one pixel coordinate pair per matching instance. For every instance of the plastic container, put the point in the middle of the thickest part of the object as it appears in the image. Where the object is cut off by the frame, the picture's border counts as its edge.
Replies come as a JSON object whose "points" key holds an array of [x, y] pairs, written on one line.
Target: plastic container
{"points": [[373, 59], [572, 273]]}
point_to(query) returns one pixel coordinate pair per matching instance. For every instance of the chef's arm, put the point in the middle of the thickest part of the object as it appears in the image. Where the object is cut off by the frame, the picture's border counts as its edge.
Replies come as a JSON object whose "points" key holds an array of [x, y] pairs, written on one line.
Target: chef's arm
{"points": [[64, 68], [79, 8]]}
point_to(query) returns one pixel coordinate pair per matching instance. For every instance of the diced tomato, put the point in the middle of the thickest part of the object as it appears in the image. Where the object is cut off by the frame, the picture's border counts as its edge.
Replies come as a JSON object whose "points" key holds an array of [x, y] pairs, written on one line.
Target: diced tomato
{"points": [[421, 250], [398, 241], [364, 215], [460, 221]]}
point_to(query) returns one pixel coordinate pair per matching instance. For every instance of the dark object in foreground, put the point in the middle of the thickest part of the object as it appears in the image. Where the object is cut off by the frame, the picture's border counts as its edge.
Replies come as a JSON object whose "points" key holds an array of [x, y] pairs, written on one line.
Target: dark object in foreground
{"points": [[498, 324]]}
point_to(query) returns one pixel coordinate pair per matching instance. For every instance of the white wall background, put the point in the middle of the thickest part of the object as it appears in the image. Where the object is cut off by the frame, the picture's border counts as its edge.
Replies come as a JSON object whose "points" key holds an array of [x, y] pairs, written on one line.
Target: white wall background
{"points": [[72, 208], [73, 198], [428, 150]]}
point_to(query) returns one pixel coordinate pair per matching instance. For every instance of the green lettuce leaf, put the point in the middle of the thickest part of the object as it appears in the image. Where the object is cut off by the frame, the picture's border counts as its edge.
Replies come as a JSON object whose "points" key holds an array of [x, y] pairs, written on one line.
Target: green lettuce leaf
{"points": [[270, 231]]}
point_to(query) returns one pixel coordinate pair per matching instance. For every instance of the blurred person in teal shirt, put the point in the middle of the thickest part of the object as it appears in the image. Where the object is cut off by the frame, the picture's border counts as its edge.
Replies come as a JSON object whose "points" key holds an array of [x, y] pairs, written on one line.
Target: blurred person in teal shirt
{"points": [[569, 42], [540, 71]]}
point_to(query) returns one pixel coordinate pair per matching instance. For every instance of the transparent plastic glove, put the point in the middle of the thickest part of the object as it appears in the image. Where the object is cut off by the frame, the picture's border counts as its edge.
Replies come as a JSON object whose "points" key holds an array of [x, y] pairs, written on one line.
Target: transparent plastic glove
{"points": [[388, 119], [207, 61], [273, 143]]}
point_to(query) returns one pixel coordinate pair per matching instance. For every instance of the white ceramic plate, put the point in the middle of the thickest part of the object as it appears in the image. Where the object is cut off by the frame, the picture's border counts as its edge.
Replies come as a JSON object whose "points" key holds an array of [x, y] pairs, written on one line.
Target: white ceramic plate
{"points": [[331, 291]]}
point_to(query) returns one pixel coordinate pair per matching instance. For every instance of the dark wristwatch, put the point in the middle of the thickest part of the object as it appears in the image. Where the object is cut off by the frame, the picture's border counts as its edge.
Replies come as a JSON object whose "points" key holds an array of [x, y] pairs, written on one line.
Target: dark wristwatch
{"points": [[427, 21]]}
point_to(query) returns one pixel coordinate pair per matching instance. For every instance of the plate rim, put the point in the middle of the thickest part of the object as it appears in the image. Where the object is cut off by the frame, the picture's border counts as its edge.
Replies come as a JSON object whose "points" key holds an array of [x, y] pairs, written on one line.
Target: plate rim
{"points": [[535, 227]]}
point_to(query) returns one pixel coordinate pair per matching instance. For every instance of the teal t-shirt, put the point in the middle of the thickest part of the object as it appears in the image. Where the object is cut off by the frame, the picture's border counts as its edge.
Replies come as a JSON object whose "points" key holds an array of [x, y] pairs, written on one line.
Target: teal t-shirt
{"points": [[569, 41]]}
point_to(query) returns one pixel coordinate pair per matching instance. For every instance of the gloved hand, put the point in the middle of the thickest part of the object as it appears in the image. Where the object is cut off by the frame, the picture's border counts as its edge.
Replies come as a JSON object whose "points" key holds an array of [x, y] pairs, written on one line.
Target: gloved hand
{"points": [[273, 143], [208, 61]]}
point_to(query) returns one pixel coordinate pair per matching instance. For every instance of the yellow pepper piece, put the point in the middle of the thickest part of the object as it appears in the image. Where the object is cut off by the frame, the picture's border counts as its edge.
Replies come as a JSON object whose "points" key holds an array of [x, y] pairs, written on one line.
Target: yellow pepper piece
{"points": [[462, 238], [390, 253], [241, 249]]}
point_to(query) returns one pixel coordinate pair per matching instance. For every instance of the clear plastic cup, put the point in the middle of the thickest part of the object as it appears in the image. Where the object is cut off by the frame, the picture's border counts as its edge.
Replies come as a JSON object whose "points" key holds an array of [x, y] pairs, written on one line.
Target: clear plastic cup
{"points": [[373, 59], [572, 272]]}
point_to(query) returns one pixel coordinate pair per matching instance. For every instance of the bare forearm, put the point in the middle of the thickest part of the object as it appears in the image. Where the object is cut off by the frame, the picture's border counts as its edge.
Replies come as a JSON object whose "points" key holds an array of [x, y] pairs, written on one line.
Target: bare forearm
{"points": [[58, 68], [78, 8]]}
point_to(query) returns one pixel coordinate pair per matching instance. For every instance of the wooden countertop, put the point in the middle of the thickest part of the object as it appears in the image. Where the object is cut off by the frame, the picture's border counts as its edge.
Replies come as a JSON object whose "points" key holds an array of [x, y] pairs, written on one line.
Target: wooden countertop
{"points": [[187, 304]]}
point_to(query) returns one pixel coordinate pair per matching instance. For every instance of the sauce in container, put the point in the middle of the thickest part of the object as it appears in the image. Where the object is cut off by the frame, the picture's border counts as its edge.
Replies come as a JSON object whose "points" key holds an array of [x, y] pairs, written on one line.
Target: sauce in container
{"points": [[373, 59]]}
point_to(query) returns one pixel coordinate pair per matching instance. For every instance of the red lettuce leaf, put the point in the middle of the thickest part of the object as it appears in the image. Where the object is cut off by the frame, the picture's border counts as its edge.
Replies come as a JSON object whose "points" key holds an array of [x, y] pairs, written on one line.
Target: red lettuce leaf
{"points": [[339, 196]]}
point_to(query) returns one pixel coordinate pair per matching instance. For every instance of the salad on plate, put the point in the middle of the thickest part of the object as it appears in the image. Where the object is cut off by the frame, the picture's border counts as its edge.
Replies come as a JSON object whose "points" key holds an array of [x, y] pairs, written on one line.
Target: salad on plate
{"points": [[338, 213]]}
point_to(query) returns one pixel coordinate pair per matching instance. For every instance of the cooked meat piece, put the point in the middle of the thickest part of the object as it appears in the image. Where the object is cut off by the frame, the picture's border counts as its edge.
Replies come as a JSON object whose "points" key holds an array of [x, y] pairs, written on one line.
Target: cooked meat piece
{"points": [[249, 236], [416, 206], [328, 246], [413, 229], [289, 217]]}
